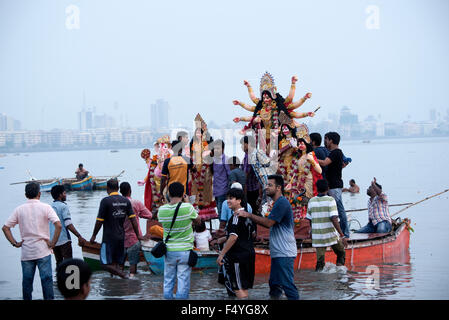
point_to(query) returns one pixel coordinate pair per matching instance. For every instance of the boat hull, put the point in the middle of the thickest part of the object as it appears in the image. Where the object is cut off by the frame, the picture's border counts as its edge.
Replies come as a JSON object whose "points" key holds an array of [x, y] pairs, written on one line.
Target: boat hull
{"points": [[100, 184], [394, 248], [374, 249], [46, 187], [91, 255], [83, 185], [207, 262], [206, 259]]}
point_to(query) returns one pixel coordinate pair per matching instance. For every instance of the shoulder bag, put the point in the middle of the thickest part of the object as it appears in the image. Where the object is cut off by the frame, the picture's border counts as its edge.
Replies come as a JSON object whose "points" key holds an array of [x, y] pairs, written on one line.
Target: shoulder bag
{"points": [[160, 249]]}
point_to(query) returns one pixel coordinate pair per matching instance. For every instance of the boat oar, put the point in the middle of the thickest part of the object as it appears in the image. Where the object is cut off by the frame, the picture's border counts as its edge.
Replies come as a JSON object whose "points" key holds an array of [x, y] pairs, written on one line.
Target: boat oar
{"points": [[20, 182], [391, 205], [415, 203], [110, 177], [123, 171]]}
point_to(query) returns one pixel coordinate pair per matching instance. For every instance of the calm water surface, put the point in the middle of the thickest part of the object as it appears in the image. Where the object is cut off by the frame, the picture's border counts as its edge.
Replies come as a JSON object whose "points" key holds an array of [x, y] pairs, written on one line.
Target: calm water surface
{"points": [[404, 168]]}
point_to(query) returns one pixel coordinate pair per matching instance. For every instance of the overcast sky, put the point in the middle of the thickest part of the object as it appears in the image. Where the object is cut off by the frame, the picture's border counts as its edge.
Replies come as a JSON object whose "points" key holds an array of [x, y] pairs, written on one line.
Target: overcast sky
{"points": [[196, 54]]}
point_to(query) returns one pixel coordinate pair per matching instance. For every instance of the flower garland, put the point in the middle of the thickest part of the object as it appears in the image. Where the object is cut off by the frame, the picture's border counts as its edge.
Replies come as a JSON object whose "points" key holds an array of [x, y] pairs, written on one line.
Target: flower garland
{"points": [[199, 177], [298, 175], [152, 181]]}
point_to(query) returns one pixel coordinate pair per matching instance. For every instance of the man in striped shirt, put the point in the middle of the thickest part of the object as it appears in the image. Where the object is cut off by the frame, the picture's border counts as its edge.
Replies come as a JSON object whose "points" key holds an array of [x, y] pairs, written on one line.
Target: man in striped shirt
{"points": [[326, 231], [379, 220], [180, 242]]}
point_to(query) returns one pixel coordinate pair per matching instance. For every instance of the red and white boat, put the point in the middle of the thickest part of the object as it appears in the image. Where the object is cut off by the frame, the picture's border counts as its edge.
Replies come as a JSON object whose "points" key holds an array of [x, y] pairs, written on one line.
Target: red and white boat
{"points": [[363, 249]]}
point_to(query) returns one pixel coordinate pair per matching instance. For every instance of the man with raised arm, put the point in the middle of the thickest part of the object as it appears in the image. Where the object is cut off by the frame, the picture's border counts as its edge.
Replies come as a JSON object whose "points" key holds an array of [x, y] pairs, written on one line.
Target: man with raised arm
{"points": [[283, 248]]}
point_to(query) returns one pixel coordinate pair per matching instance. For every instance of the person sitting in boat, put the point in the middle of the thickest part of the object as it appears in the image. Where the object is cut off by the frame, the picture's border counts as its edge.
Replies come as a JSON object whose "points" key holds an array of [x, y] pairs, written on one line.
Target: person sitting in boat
{"points": [[202, 237], [81, 173], [354, 188], [379, 220]]}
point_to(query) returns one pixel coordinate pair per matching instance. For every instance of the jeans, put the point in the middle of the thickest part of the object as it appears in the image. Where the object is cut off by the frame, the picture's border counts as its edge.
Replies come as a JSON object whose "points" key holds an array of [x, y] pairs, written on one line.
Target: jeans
{"points": [[45, 272], [175, 266], [219, 200], [336, 194], [282, 278], [381, 227]]}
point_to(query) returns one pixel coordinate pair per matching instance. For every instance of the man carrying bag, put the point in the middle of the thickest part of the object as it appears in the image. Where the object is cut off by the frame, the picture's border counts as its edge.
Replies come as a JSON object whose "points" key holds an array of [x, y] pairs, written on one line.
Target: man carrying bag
{"points": [[176, 218]]}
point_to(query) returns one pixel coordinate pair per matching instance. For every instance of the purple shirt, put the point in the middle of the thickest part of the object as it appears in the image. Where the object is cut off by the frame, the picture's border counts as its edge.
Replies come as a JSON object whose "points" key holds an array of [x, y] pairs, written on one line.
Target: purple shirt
{"points": [[251, 180], [221, 173]]}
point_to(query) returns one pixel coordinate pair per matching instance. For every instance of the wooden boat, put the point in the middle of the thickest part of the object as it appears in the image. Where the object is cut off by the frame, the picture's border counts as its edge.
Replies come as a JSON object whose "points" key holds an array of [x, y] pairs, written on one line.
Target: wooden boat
{"points": [[73, 184], [46, 185], [206, 259], [83, 185], [99, 184], [363, 249], [91, 255]]}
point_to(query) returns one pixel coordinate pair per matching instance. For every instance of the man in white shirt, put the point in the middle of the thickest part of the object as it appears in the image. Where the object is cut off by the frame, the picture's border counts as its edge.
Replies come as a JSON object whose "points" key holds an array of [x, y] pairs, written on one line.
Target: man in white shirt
{"points": [[32, 218]]}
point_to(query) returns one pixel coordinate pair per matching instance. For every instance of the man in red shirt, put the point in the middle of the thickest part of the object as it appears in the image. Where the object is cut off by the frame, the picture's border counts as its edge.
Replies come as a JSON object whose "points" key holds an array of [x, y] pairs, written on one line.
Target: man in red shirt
{"points": [[132, 244]]}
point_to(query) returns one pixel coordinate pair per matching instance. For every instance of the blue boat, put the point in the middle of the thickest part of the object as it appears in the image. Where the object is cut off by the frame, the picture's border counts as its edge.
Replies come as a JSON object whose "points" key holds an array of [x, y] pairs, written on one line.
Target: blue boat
{"points": [[207, 260], [46, 185], [84, 185], [100, 184]]}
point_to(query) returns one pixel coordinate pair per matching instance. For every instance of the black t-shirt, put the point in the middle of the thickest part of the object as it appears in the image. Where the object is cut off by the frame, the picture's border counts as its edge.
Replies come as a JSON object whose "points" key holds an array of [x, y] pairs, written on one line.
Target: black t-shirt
{"points": [[243, 248], [112, 212], [333, 173]]}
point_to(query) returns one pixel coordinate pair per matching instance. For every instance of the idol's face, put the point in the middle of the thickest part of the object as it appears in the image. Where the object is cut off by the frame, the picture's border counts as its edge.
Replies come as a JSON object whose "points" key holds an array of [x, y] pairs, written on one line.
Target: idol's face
{"points": [[285, 130], [302, 146], [266, 98]]}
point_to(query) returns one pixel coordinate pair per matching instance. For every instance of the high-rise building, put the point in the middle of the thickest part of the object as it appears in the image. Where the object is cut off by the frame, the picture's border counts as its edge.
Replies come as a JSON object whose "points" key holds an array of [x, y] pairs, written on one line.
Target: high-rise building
{"points": [[433, 115], [85, 119], [9, 124], [347, 118], [159, 114]]}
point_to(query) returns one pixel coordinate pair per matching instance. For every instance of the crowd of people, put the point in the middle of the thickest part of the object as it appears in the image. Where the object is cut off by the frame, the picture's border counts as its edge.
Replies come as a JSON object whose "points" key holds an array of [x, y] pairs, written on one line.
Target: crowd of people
{"points": [[46, 229]]}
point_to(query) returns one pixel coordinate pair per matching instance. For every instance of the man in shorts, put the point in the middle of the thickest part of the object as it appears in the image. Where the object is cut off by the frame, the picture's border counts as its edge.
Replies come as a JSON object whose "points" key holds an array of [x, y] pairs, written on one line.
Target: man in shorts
{"points": [[111, 215]]}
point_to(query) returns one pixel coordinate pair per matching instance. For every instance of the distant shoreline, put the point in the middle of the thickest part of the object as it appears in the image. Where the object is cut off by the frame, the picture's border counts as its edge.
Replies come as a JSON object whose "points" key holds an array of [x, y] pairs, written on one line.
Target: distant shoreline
{"points": [[119, 147]]}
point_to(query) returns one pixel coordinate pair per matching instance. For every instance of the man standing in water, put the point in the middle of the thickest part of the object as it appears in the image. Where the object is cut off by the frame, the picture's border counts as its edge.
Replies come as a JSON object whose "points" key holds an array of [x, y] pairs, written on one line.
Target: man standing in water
{"points": [[283, 248], [111, 215], [33, 218]]}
